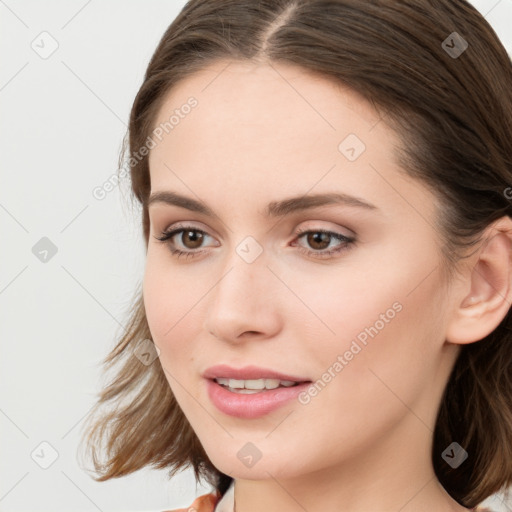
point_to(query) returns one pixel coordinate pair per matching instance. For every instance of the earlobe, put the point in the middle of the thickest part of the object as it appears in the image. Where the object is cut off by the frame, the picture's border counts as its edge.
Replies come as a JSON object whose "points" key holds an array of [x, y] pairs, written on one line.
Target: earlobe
{"points": [[489, 299]]}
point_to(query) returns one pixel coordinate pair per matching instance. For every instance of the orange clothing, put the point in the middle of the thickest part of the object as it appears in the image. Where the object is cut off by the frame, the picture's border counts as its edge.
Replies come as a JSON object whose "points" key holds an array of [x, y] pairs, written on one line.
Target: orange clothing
{"points": [[204, 503]]}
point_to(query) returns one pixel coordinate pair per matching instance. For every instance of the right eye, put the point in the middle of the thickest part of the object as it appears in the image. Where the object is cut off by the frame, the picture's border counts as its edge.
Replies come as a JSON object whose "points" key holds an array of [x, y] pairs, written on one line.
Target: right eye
{"points": [[189, 236]]}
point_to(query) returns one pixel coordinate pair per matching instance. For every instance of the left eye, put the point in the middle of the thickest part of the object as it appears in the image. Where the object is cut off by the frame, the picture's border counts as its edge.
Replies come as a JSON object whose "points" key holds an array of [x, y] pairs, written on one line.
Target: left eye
{"points": [[192, 239], [322, 237]]}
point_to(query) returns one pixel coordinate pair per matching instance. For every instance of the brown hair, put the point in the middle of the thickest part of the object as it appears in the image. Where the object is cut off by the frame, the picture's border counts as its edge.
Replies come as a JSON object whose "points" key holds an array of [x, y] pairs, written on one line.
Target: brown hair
{"points": [[454, 117]]}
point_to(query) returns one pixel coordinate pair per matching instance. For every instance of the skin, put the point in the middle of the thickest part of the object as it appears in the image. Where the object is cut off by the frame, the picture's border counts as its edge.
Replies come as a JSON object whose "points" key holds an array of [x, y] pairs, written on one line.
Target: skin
{"points": [[263, 133]]}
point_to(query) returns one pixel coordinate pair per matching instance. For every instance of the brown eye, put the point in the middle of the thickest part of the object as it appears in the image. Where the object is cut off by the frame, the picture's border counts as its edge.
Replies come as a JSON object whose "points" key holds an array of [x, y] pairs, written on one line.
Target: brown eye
{"points": [[192, 239], [184, 241], [318, 240]]}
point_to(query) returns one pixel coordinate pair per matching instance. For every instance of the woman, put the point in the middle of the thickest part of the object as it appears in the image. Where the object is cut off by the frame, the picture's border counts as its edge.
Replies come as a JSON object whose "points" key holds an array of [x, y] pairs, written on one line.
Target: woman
{"points": [[324, 317]]}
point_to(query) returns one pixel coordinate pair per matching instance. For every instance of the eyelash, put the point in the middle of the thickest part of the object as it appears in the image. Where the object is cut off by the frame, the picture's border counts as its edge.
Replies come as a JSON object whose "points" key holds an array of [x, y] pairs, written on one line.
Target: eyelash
{"points": [[166, 238]]}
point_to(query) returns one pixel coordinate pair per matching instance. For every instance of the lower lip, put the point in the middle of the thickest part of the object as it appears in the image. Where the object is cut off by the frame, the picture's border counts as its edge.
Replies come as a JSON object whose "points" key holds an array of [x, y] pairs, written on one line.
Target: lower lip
{"points": [[251, 405]]}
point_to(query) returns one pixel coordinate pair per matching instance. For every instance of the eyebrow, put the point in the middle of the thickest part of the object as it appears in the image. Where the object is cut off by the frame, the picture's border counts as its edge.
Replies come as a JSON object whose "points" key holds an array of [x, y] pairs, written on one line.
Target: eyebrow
{"points": [[273, 209]]}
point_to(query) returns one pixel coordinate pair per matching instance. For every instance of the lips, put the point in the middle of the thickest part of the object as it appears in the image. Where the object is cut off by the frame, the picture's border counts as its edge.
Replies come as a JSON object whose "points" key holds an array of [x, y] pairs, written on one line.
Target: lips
{"points": [[253, 405], [249, 373]]}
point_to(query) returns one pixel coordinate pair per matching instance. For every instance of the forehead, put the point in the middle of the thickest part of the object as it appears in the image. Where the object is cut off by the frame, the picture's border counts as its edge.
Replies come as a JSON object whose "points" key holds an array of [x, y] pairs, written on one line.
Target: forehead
{"points": [[260, 129], [264, 114], [242, 87]]}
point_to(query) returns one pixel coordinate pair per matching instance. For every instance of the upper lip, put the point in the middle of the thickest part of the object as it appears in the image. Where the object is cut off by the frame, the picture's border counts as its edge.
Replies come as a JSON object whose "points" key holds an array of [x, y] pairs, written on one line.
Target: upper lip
{"points": [[248, 373]]}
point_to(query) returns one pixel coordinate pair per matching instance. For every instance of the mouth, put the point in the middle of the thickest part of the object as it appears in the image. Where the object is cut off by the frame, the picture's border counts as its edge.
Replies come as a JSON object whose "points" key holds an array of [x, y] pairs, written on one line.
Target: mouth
{"points": [[251, 392], [247, 403]]}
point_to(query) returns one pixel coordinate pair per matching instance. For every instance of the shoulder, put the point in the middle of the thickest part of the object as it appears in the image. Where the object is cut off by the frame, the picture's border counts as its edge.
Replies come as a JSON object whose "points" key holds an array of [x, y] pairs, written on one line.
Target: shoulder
{"points": [[204, 503], [479, 508]]}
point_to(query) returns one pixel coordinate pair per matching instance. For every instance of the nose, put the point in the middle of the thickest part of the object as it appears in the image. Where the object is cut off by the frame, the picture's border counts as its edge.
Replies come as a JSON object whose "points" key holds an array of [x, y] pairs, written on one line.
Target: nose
{"points": [[245, 302]]}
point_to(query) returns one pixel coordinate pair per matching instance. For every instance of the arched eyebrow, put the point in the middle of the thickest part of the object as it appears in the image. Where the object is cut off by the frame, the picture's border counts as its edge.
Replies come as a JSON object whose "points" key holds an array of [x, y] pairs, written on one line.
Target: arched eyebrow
{"points": [[305, 202], [273, 209]]}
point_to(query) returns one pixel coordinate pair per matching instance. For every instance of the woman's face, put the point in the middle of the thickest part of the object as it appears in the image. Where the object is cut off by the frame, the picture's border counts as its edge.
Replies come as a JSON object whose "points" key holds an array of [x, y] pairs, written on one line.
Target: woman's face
{"points": [[360, 317]]}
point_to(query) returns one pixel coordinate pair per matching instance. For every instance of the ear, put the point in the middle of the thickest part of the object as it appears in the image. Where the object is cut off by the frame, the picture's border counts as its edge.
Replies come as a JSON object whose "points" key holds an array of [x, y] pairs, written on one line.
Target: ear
{"points": [[478, 312]]}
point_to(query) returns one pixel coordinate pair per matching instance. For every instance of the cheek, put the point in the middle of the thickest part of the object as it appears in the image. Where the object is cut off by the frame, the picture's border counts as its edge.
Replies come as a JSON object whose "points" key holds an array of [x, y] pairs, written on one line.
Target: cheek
{"points": [[157, 301], [172, 305], [383, 379], [168, 296], [384, 323], [160, 304]]}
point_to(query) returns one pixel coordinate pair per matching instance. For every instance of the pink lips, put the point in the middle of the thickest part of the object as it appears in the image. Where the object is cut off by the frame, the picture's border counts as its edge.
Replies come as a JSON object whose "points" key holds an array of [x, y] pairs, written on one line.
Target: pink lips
{"points": [[254, 405]]}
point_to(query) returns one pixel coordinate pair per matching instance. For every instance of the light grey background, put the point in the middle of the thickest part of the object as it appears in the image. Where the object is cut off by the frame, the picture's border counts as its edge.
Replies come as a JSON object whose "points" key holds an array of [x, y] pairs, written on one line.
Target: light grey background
{"points": [[63, 117]]}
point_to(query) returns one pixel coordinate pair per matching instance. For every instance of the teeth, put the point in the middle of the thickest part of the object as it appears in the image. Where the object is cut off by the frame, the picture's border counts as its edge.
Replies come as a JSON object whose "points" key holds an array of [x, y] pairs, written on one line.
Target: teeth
{"points": [[254, 384]]}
